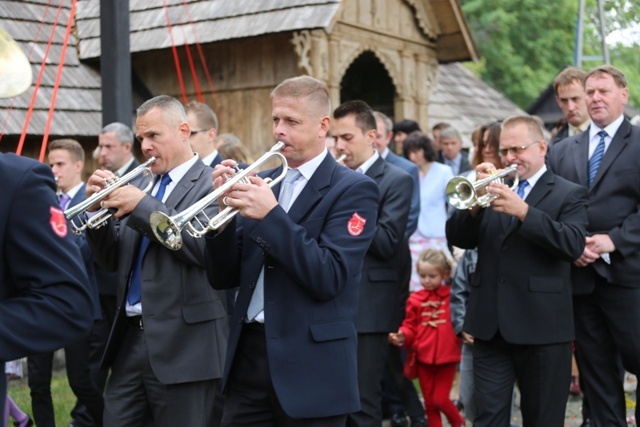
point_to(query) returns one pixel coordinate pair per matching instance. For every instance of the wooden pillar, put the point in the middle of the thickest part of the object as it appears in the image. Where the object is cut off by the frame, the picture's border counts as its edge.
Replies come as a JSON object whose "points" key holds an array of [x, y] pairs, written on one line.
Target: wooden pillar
{"points": [[115, 62]]}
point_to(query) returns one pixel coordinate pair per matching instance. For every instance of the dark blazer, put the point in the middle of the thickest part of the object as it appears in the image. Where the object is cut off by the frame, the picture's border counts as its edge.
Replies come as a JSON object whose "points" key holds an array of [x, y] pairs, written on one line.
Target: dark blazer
{"points": [[562, 134], [216, 160], [313, 261], [44, 304], [184, 319], [614, 202], [381, 304], [522, 283], [412, 169], [465, 165]]}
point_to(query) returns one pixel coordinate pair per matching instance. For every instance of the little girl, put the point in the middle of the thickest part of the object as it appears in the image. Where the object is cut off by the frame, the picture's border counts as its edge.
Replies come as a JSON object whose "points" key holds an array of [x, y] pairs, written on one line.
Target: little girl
{"points": [[427, 333]]}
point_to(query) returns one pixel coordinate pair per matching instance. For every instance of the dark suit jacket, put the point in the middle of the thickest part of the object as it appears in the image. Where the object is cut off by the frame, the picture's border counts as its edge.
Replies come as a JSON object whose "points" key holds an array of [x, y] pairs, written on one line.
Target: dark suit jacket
{"points": [[465, 165], [44, 304], [185, 323], [522, 283], [381, 303], [412, 169], [614, 202], [313, 260], [216, 160], [562, 134]]}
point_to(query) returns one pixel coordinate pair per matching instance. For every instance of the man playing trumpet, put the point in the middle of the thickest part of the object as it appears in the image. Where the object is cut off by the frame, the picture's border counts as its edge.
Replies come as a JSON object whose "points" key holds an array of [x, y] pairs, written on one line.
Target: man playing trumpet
{"points": [[296, 251], [167, 344], [519, 308]]}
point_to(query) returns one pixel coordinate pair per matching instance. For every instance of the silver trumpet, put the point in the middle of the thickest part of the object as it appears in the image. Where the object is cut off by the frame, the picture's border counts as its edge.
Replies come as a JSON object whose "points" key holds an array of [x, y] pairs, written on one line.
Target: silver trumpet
{"points": [[462, 192], [168, 229], [80, 224]]}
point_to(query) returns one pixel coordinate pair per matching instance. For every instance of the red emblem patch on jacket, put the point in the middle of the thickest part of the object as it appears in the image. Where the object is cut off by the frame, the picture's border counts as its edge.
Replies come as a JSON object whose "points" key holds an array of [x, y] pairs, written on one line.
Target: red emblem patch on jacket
{"points": [[58, 221], [355, 226]]}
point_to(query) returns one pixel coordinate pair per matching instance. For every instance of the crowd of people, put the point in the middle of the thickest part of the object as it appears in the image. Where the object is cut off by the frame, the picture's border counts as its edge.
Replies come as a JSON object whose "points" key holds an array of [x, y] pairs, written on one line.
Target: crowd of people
{"points": [[331, 290]]}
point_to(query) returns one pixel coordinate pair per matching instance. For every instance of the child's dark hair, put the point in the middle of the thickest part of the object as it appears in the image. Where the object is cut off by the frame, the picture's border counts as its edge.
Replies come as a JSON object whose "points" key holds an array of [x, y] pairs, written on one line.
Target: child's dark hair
{"points": [[438, 259]]}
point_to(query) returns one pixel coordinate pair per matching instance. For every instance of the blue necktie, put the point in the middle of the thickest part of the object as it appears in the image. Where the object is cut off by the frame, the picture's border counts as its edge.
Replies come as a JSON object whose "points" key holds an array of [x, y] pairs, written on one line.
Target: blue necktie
{"points": [[521, 186], [256, 304], [133, 297], [596, 157]]}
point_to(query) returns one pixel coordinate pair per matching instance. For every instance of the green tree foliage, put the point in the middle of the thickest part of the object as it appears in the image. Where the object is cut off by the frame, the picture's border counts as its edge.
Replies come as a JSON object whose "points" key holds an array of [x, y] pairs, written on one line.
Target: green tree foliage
{"points": [[524, 43]]}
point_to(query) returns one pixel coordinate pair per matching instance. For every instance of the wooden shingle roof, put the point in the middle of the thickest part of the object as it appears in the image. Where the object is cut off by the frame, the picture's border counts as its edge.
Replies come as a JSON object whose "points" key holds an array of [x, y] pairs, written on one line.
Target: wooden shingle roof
{"points": [[78, 103], [466, 102], [213, 21]]}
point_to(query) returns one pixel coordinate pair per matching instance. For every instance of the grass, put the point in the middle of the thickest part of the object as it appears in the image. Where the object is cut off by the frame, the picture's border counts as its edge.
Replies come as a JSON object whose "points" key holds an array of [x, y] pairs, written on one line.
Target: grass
{"points": [[63, 398]]}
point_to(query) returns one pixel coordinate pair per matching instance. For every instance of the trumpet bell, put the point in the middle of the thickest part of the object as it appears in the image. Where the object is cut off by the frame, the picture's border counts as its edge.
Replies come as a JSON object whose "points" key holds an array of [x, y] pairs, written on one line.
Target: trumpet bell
{"points": [[460, 193], [166, 230], [15, 69]]}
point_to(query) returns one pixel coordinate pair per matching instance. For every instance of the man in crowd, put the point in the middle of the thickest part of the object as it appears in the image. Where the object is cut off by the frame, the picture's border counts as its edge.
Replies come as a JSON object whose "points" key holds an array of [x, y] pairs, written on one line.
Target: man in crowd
{"points": [[452, 154], [296, 251], [166, 348], [204, 128], [382, 293], [519, 309], [396, 388], [606, 160], [569, 89]]}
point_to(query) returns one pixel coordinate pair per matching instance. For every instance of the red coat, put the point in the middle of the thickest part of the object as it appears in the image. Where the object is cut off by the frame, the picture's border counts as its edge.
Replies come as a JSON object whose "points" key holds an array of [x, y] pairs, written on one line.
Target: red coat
{"points": [[427, 327]]}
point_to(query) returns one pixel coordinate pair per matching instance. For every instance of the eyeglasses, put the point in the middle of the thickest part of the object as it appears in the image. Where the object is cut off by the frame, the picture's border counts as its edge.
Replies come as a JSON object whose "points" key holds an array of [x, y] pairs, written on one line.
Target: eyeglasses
{"points": [[515, 150], [193, 132]]}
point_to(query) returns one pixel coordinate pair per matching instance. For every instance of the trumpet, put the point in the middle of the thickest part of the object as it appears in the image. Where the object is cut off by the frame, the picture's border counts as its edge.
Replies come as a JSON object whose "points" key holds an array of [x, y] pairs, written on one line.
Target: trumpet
{"points": [[168, 229], [80, 224], [462, 193]]}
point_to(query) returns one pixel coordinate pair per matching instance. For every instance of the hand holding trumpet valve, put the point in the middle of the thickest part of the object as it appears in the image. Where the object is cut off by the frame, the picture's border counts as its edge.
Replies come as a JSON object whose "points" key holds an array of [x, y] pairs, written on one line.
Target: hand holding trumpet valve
{"points": [[251, 196], [507, 201]]}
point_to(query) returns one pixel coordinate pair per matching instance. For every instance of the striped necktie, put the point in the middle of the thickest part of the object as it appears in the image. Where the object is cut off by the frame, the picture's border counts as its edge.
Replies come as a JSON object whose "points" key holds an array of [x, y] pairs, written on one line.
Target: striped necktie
{"points": [[596, 157]]}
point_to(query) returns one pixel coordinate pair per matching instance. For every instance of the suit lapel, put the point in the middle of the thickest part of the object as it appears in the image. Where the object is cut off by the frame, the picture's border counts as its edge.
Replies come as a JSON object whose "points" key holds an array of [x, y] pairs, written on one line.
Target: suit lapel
{"points": [[312, 192], [537, 193], [581, 158], [185, 184], [618, 143]]}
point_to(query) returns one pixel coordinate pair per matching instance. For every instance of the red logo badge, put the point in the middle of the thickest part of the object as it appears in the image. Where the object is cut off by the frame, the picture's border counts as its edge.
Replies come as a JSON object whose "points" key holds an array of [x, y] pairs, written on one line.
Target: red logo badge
{"points": [[58, 221], [355, 226]]}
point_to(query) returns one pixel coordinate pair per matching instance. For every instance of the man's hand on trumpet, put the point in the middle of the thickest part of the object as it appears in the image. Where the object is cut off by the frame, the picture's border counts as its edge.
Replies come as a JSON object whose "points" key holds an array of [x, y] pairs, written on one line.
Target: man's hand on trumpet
{"points": [[508, 201], [253, 199], [96, 183], [123, 200]]}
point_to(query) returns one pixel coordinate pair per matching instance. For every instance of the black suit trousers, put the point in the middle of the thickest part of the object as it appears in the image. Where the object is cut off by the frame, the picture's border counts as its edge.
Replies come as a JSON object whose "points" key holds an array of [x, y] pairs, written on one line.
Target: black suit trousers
{"points": [[606, 331], [542, 372]]}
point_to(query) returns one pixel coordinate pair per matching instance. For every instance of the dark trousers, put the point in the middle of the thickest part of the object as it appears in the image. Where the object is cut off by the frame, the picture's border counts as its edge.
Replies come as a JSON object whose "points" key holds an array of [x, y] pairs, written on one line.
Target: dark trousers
{"points": [[399, 392], [98, 341], [250, 397], [135, 397], [543, 374], [373, 350], [77, 366], [606, 332]]}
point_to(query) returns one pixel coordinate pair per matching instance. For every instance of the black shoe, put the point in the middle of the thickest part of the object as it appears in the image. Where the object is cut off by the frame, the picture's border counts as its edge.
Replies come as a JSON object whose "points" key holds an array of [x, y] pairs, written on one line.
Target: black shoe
{"points": [[399, 420], [586, 423], [27, 423], [419, 422]]}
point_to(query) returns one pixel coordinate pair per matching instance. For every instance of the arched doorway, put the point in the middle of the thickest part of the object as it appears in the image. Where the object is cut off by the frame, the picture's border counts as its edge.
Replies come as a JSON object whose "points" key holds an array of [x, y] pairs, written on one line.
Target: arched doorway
{"points": [[368, 80]]}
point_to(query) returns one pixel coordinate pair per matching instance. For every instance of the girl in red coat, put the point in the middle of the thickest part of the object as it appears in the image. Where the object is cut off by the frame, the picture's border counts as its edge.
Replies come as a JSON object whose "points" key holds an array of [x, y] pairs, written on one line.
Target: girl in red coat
{"points": [[432, 346]]}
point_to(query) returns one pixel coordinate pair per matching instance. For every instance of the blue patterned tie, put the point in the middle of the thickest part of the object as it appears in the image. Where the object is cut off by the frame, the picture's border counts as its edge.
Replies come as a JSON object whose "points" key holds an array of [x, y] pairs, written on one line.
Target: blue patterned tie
{"points": [[596, 157], [521, 186], [284, 200], [133, 296]]}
